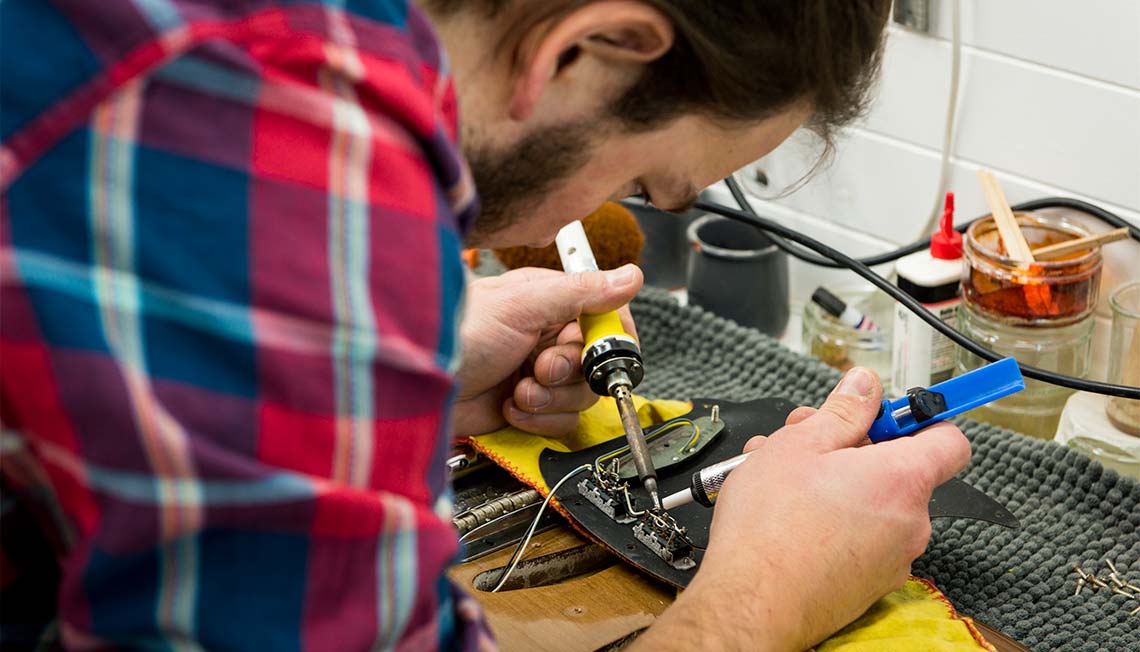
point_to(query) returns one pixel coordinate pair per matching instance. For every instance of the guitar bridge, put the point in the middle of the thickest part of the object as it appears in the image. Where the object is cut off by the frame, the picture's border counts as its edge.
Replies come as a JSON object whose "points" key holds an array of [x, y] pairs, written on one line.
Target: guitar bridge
{"points": [[661, 534], [605, 489]]}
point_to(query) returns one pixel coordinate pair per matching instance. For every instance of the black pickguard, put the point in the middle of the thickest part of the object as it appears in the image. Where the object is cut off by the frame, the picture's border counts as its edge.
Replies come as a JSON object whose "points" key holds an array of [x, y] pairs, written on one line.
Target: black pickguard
{"points": [[742, 421]]}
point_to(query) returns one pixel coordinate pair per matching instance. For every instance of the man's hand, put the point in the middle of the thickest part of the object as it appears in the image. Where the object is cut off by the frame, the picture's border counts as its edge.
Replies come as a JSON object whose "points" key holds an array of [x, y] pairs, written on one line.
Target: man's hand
{"points": [[812, 528], [522, 347]]}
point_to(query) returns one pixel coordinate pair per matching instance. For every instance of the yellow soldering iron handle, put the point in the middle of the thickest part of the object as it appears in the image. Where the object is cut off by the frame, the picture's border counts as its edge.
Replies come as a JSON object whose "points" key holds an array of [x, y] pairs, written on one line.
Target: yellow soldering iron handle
{"points": [[596, 327], [577, 257]]}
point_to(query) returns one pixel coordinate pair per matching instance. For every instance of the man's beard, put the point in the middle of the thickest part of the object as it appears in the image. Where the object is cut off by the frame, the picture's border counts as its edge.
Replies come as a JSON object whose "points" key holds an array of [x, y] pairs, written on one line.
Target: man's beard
{"points": [[512, 181]]}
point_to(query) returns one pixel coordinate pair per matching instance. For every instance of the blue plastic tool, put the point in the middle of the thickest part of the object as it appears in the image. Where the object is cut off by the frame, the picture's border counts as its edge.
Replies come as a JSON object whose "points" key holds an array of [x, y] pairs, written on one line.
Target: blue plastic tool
{"points": [[922, 407]]}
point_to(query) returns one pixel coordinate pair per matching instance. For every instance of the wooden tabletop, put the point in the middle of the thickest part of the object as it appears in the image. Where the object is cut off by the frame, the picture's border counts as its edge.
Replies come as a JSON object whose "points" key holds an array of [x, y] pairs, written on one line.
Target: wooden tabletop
{"points": [[586, 613], [578, 615]]}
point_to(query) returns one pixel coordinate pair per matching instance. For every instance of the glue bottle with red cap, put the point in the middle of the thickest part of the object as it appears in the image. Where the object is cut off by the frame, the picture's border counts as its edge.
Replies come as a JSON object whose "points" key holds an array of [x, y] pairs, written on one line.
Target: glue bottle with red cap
{"points": [[921, 356]]}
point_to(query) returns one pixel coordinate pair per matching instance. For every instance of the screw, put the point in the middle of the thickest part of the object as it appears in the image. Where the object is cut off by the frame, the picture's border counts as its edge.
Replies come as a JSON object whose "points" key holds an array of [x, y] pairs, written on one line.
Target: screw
{"points": [[1115, 580], [1097, 582], [1080, 585], [1080, 572], [1134, 611], [1122, 592], [1112, 566]]}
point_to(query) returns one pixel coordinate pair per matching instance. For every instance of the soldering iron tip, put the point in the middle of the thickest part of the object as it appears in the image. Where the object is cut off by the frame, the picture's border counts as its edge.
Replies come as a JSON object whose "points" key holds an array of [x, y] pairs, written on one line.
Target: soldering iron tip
{"points": [[654, 496]]}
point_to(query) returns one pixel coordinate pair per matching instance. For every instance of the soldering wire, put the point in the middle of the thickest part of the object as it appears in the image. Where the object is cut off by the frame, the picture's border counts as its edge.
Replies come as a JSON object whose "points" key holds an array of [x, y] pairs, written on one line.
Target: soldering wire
{"points": [[771, 227], [667, 428], [1047, 202], [516, 556]]}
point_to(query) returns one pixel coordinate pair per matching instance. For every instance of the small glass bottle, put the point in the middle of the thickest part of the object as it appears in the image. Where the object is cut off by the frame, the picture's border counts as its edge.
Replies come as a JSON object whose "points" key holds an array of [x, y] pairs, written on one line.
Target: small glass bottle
{"points": [[1039, 313], [1124, 365], [841, 346]]}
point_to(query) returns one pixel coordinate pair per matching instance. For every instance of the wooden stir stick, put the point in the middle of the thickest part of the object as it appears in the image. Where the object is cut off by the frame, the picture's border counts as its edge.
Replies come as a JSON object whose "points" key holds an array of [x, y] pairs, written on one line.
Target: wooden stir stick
{"points": [[1038, 297], [1015, 245], [1087, 242]]}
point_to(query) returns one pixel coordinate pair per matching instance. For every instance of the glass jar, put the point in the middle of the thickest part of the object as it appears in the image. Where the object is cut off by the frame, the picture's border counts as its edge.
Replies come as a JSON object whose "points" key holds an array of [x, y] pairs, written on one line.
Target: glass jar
{"points": [[843, 347], [1124, 356], [1046, 294], [1038, 312]]}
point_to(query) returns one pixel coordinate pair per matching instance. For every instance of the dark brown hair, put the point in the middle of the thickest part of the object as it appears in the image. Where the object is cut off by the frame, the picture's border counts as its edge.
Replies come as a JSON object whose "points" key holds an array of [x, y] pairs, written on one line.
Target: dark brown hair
{"points": [[740, 60]]}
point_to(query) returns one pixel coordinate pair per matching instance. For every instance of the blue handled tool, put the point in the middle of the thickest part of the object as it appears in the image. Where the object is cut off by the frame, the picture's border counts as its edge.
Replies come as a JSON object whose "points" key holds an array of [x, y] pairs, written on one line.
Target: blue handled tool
{"points": [[924, 406], [921, 407]]}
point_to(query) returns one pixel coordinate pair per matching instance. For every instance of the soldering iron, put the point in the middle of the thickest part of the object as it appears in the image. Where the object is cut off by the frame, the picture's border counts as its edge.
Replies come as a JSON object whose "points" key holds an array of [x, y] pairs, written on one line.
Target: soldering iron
{"points": [[611, 358], [921, 407]]}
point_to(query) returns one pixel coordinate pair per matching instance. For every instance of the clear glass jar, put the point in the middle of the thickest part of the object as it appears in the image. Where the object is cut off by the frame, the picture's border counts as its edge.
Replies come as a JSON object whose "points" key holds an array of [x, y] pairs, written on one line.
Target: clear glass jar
{"points": [[1045, 294], [1124, 356], [1039, 313], [843, 347]]}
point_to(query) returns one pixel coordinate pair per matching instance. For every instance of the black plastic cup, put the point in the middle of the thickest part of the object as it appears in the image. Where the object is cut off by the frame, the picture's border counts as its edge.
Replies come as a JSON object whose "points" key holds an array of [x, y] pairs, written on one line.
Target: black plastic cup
{"points": [[665, 256], [735, 271]]}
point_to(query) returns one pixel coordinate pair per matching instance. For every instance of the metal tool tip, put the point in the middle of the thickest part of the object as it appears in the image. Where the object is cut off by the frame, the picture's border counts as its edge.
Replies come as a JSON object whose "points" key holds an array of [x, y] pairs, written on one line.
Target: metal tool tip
{"points": [[654, 496]]}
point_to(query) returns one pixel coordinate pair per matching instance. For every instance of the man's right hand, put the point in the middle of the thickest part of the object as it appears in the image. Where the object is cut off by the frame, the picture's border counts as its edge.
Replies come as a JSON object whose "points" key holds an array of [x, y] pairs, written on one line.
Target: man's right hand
{"points": [[812, 528]]}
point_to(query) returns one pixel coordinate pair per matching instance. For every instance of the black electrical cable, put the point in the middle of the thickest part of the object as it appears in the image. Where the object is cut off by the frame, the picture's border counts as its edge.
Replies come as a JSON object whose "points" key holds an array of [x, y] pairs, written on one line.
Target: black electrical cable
{"points": [[810, 258], [771, 227], [891, 256]]}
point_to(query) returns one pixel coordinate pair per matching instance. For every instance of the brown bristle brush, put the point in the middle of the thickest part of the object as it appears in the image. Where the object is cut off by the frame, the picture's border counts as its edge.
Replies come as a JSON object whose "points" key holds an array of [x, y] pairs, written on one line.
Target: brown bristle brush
{"points": [[614, 235]]}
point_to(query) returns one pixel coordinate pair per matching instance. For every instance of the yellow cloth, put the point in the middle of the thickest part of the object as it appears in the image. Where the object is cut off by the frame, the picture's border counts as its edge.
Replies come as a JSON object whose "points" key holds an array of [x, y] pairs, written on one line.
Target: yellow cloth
{"points": [[517, 451], [915, 618]]}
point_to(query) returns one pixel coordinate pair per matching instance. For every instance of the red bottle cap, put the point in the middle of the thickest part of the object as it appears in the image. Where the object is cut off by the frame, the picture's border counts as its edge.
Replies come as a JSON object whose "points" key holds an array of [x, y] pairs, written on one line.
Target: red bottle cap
{"points": [[946, 243]]}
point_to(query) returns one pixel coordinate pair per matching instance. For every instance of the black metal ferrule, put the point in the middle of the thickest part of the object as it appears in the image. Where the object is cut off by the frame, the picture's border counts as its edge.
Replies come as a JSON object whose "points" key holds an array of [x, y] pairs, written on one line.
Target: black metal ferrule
{"points": [[698, 490], [925, 404], [831, 304], [608, 355]]}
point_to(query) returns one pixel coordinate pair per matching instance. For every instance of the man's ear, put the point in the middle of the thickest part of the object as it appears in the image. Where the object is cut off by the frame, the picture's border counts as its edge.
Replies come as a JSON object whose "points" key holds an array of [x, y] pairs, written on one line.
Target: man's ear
{"points": [[622, 31]]}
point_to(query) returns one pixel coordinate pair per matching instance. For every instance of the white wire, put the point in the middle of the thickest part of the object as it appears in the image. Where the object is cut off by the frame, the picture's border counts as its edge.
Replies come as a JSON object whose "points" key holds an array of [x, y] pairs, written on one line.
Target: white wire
{"points": [[516, 556], [951, 116]]}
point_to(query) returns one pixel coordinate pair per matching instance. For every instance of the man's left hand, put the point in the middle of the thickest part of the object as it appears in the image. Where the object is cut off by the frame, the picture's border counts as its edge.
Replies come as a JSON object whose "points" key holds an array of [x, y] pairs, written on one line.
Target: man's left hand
{"points": [[522, 347]]}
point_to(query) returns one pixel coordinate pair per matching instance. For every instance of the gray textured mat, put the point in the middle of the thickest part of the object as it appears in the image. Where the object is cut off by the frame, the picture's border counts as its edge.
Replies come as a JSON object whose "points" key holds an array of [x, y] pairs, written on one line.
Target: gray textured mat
{"points": [[1021, 582]]}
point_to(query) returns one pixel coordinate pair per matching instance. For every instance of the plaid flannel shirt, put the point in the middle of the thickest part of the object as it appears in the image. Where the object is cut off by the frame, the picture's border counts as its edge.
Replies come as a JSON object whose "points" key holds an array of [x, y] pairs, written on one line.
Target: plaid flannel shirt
{"points": [[229, 248]]}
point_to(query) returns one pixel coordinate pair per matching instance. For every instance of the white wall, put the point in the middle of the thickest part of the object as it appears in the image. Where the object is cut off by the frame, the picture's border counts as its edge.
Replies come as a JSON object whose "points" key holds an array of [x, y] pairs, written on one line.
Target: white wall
{"points": [[1049, 100]]}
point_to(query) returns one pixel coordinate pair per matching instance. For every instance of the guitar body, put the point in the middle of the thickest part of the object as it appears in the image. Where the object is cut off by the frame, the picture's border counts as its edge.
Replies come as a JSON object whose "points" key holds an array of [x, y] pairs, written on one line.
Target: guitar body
{"points": [[570, 594], [578, 614]]}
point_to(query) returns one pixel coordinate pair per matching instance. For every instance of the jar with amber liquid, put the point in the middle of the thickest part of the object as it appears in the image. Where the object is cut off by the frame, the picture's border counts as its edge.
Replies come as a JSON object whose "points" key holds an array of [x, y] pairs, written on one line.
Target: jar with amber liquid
{"points": [[1040, 313]]}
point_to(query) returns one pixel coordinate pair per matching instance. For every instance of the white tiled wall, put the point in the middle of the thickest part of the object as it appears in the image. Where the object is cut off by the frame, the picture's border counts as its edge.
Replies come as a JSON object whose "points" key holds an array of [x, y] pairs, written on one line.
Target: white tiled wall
{"points": [[1049, 100]]}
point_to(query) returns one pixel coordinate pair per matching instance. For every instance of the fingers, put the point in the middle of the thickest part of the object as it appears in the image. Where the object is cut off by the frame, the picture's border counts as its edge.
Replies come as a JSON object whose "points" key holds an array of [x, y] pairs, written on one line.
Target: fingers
{"points": [[559, 365], [845, 417], [562, 424], [544, 300], [477, 415], [799, 414], [754, 443], [627, 323], [572, 332], [532, 396], [933, 455]]}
